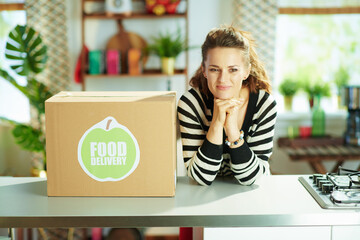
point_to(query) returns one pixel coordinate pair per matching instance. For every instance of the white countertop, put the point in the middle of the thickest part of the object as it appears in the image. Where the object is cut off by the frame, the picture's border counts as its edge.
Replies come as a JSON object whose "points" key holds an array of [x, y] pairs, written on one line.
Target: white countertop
{"points": [[278, 200]]}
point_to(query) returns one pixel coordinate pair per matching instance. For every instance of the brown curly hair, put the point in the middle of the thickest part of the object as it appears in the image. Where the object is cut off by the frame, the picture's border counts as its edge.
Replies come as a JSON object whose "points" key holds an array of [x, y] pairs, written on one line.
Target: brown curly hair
{"points": [[229, 36]]}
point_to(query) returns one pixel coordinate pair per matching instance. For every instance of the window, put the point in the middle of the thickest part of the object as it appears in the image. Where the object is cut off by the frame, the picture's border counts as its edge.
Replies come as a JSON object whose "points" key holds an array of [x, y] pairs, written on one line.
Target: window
{"points": [[317, 45], [13, 104]]}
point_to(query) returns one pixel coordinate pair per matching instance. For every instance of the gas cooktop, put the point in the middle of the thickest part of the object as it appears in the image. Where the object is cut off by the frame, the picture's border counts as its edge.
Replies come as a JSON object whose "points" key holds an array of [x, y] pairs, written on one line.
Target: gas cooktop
{"points": [[339, 190]]}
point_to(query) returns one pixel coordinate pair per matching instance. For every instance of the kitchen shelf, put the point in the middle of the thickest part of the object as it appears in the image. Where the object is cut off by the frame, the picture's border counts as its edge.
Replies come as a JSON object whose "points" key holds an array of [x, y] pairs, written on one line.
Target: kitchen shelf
{"points": [[148, 73], [134, 16]]}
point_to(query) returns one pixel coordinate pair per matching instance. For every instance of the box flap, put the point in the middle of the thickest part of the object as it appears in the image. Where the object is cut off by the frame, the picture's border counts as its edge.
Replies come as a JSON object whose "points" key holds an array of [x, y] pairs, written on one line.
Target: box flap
{"points": [[111, 96]]}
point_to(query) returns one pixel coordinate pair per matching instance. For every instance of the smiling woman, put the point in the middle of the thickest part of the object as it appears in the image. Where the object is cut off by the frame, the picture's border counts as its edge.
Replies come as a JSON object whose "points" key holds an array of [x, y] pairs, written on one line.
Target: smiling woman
{"points": [[227, 119], [223, 64]]}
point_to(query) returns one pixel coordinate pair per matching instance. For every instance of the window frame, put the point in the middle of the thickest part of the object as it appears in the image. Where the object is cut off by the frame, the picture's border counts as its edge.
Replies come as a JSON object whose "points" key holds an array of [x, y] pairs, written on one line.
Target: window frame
{"points": [[319, 10]]}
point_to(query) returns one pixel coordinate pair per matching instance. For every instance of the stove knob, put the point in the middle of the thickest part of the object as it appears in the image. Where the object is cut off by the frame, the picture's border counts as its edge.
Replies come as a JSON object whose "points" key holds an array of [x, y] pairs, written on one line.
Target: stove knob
{"points": [[319, 179], [322, 182], [327, 188], [316, 176]]}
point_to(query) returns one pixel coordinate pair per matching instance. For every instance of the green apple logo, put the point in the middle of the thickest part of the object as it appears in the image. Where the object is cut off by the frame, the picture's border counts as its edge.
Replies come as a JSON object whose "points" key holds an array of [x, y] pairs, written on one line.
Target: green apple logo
{"points": [[108, 151]]}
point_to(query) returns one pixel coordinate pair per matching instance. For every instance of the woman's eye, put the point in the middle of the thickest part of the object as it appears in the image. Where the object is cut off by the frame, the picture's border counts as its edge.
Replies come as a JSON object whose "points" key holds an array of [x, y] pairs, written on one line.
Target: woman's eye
{"points": [[233, 69], [214, 70]]}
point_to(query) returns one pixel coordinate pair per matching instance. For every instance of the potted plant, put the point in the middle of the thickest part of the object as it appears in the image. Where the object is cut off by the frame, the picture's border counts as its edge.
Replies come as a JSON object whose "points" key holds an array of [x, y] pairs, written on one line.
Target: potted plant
{"points": [[316, 88], [27, 55], [341, 79], [167, 46], [288, 88]]}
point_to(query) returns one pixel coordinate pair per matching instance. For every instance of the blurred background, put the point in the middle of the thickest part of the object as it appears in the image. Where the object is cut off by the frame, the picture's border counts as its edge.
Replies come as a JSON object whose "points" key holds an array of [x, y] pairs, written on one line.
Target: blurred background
{"points": [[311, 50]]}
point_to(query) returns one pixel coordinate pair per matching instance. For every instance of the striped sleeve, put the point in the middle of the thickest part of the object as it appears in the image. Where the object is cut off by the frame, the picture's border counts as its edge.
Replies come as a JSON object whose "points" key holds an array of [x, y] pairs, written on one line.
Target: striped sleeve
{"points": [[250, 161], [202, 158]]}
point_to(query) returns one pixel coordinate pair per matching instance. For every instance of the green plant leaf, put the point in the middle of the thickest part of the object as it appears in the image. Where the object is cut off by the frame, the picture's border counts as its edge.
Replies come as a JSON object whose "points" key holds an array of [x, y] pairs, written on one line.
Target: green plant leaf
{"points": [[317, 87], [341, 78], [167, 44], [35, 91], [28, 138], [27, 50], [38, 93], [289, 87], [9, 120], [5, 75], [27, 55]]}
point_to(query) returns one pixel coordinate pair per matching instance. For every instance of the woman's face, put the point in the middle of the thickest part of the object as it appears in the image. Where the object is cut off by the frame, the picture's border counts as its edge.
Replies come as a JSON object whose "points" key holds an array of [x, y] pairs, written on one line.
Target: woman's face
{"points": [[225, 69]]}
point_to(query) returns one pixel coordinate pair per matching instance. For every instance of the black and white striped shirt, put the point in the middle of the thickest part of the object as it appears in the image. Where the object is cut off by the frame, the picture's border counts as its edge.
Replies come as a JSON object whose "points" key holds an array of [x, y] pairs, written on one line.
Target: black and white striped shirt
{"points": [[205, 160]]}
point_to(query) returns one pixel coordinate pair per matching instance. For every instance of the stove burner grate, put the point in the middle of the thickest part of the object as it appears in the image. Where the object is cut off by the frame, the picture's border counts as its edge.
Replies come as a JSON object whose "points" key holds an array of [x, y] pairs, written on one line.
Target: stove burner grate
{"points": [[335, 190], [345, 178]]}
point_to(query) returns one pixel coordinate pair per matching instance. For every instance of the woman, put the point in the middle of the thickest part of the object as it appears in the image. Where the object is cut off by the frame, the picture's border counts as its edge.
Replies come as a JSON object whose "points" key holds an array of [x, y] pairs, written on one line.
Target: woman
{"points": [[227, 119]]}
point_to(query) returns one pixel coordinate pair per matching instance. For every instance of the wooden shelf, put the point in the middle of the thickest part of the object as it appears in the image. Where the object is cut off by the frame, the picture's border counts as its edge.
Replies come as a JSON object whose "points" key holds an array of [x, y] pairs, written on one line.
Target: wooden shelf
{"points": [[11, 6], [310, 142], [317, 150], [141, 14], [322, 10], [146, 73], [133, 16]]}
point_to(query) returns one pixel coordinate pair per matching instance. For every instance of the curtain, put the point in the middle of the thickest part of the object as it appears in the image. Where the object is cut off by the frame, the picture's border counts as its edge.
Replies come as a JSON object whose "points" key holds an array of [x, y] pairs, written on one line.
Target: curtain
{"points": [[48, 17], [259, 18]]}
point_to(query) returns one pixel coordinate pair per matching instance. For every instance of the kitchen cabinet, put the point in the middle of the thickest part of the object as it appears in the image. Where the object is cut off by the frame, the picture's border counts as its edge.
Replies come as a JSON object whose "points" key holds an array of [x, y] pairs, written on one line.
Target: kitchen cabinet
{"points": [[268, 233], [345, 232], [139, 16], [280, 233]]}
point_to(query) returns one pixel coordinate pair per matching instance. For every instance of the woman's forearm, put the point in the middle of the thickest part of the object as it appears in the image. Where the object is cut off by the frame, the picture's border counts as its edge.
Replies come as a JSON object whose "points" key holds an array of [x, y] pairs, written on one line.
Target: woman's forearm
{"points": [[215, 133]]}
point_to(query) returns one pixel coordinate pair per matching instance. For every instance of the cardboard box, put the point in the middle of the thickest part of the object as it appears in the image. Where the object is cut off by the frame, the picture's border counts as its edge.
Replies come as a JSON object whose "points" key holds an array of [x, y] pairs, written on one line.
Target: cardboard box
{"points": [[111, 144]]}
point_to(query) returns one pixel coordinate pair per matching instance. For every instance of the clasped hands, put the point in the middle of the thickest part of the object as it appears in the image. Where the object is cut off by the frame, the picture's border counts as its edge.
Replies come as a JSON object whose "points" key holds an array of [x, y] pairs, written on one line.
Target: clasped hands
{"points": [[226, 116]]}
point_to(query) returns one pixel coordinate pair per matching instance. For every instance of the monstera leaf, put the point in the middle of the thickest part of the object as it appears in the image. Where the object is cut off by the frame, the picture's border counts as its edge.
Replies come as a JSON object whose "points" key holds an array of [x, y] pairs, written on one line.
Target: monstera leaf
{"points": [[26, 50], [26, 136], [37, 94], [27, 55]]}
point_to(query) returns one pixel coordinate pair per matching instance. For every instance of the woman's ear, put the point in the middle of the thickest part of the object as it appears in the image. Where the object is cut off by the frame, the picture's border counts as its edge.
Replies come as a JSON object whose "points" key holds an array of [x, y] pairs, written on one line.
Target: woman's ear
{"points": [[249, 70], [203, 71]]}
